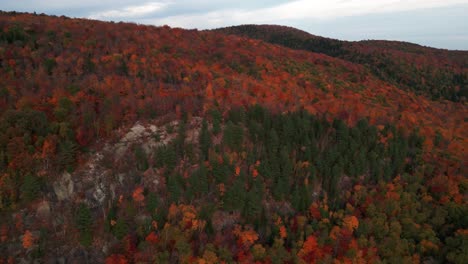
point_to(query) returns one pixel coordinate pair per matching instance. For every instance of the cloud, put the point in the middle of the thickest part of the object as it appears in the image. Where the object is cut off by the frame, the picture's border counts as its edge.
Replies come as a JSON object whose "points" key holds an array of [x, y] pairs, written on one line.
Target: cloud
{"points": [[129, 12], [330, 9], [347, 19], [305, 10]]}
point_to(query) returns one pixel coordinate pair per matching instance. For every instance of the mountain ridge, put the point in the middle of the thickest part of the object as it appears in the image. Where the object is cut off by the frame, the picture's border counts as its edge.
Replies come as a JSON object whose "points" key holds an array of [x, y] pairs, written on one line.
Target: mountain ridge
{"points": [[126, 143], [439, 73]]}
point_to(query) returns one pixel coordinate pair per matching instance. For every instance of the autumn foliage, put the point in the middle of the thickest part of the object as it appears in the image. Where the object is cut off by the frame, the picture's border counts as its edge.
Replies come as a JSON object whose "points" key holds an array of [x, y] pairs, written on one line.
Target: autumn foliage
{"points": [[251, 152]]}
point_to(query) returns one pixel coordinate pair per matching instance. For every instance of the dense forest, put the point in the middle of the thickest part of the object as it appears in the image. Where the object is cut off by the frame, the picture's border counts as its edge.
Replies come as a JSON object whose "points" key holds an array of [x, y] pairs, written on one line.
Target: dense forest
{"points": [[432, 72], [127, 143]]}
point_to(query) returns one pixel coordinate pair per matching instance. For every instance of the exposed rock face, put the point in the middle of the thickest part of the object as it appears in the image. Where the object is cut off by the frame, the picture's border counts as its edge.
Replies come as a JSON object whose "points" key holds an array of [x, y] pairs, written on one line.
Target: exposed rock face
{"points": [[63, 188], [107, 175], [99, 195]]}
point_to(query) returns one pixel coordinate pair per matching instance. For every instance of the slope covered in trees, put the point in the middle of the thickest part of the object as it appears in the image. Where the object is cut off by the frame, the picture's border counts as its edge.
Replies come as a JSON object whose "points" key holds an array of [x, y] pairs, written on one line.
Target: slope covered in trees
{"points": [[125, 143], [433, 72]]}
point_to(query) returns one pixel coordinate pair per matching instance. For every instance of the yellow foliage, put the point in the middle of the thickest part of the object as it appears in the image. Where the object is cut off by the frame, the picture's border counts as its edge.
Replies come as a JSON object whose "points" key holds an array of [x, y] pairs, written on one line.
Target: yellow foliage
{"points": [[258, 252], [301, 221], [209, 257], [349, 207]]}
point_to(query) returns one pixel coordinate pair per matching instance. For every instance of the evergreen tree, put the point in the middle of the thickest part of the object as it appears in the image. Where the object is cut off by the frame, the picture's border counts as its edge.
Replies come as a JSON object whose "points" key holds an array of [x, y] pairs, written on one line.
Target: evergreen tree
{"points": [[217, 118], [83, 222], [30, 188], [179, 141], [120, 229], [165, 156], [151, 202], [199, 182], [234, 196], [174, 187], [205, 141], [233, 136], [141, 159], [66, 154], [220, 170], [253, 205]]}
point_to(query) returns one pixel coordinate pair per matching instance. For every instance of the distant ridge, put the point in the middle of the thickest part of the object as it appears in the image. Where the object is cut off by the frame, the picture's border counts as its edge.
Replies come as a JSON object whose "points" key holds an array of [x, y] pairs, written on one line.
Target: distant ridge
{"points": [[437, 73]]}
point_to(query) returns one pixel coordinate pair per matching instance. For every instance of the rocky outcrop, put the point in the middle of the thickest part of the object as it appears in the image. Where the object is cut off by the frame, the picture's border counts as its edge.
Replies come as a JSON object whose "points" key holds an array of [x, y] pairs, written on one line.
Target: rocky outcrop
{"points": [[63, 188]]}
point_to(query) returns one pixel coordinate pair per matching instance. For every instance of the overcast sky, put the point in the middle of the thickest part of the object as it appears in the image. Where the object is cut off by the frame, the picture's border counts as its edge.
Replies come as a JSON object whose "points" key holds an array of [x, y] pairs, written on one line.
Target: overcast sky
{"points": [[436, 23]]}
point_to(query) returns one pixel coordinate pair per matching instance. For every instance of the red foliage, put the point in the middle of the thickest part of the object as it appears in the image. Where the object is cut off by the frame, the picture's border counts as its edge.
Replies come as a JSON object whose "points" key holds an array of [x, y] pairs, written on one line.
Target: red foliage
{"points": [[116, 259], [152, 238]]}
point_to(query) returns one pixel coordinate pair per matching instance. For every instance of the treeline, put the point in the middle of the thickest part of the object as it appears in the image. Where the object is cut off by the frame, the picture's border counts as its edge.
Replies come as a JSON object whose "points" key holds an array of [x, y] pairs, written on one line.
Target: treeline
{"points": [[428, 72]]}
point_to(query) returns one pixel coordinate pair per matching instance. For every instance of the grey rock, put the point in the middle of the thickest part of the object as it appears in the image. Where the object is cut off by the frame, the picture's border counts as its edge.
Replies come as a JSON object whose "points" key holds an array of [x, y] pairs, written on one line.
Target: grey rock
{"points": [[112, 191], [98, 194], [121, 178], [63, 188]]}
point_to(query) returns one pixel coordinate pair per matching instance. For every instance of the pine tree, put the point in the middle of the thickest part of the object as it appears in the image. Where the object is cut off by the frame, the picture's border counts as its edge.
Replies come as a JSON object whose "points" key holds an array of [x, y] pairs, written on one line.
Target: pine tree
{"points": [[205, 141], [234, 197], [233, 136], [151, 202], [66, 154], [83, 222], [199, 182], [217, 118], [141, 159], [174, 187], [30, 187], [120, 229], [253, 205], [179, 141]]}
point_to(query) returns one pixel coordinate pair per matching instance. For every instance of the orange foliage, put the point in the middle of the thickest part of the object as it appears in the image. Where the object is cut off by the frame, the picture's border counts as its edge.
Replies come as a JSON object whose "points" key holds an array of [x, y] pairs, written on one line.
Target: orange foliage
{"points": [[28, 239], [48, 148], [138, 195], [247, 237], [237, 171], [351, 222], [152, 238], [221, 188], [282, 232], [334, 233], [164, 70], [254, 173], [116, 259], [209, 91], [309, 246]]}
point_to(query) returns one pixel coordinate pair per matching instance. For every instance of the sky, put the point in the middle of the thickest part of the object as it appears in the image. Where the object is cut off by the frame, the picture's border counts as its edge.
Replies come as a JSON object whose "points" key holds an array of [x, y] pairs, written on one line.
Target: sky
{"points": [[435, 23]]}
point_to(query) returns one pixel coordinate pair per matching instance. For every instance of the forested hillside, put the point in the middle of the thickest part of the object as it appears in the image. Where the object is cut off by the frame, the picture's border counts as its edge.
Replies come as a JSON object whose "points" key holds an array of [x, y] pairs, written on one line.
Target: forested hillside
{"points": [[432, 72], [126, 143]]}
